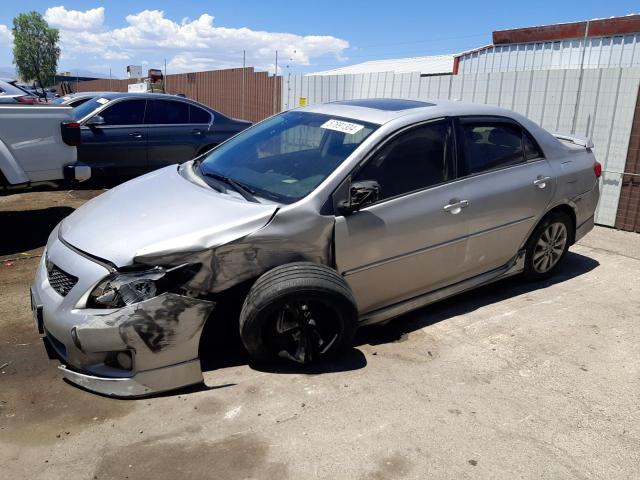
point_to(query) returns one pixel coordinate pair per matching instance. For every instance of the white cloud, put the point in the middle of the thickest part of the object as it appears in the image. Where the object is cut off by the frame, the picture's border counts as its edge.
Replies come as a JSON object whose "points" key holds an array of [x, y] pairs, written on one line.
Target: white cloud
{"points": [[188, 45], [6, 37], [62, 18]]}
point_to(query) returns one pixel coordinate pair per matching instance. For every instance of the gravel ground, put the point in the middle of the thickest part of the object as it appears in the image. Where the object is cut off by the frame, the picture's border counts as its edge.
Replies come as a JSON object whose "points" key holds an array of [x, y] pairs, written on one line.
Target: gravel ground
{"points": [[514, 380]]}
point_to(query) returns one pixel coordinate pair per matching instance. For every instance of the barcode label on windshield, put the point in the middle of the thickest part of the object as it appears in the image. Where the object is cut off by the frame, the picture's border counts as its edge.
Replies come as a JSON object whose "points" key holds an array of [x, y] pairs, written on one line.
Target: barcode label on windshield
{"points": [[342, 126]]}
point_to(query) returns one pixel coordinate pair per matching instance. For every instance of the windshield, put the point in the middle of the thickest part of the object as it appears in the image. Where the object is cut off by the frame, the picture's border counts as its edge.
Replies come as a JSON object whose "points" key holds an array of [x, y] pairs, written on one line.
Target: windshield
{"points": [[87, 107], [286, 157]]}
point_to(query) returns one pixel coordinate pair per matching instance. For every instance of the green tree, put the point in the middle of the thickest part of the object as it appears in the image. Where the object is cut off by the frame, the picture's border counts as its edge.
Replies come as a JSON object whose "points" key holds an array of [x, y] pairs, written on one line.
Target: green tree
{"points": [[35, 48]]}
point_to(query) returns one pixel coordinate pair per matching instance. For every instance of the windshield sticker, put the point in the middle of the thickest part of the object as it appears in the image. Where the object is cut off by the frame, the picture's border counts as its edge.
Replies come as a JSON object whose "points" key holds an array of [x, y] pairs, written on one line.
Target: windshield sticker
{"points": [[341, 126], [102, 101], [289, 180]]}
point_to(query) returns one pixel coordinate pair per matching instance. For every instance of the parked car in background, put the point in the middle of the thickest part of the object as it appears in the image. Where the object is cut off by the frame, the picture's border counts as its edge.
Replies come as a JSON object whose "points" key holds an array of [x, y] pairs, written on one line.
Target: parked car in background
{"points": [[45, 96], [11, 93], [302, 228], [36, 145], [77, 99], [127, 134]]}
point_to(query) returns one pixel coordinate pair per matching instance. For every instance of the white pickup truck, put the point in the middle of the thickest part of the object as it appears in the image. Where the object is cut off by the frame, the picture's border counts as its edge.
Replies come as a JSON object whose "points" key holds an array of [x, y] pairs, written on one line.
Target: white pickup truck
{"points": [[38, 144]]}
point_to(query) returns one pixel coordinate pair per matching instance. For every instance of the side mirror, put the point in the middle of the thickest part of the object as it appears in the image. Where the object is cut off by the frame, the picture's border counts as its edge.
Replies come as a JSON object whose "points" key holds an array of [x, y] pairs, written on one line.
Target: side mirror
{"points": [[95, 121], [361, 194]]}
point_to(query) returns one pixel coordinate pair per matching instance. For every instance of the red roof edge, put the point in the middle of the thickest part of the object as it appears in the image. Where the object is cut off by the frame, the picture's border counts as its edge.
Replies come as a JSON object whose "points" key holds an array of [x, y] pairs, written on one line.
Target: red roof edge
{"points": [[597, 28]]}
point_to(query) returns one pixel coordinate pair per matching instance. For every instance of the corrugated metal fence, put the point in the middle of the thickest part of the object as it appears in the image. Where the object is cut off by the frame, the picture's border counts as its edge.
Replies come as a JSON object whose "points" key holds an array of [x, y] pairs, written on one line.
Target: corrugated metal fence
{"points": [[238, 92], [599, 105]]}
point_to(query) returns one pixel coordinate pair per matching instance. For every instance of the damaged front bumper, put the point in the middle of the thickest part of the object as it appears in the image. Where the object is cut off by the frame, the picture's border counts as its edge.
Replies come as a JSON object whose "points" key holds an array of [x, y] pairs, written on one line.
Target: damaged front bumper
{"points": [[138, 350]]}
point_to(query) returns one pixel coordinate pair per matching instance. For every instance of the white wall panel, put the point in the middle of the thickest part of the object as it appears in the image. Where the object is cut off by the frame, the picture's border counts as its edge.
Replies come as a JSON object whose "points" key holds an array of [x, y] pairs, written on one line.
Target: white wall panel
{"points": [[599, 52], [598, 103]]}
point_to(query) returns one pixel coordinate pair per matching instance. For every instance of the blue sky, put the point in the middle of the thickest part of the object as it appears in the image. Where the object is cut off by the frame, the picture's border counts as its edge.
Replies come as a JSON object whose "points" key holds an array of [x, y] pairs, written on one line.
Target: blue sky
{"points": [[310, 36]]}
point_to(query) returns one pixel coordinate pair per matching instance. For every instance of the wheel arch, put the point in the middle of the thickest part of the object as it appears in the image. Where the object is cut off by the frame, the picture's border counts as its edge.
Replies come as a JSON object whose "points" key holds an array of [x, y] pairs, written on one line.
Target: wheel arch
{"points": [[565, 208]]}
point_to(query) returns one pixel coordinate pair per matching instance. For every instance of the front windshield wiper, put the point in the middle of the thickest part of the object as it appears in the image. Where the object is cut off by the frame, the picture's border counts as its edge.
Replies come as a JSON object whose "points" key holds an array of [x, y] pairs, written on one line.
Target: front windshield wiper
{"points": [[243, 190]]}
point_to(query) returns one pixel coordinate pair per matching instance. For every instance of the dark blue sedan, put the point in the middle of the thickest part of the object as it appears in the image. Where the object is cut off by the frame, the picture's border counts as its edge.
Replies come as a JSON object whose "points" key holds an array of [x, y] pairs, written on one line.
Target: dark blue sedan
{"points": [[127, 134]]}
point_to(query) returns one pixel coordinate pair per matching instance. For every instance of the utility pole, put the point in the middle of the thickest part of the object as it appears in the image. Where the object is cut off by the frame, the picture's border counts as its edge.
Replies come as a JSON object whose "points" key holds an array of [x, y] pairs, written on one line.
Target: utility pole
{"points": [[244, 66], [164, 80], [584, 48], [275, 86]]}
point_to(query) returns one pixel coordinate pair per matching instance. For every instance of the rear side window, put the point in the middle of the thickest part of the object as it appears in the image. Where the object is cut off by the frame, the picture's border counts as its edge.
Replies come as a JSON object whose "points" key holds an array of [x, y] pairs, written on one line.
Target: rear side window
{"points": [[166, 112], [491, 145], [126, 112], [531, 149], [415, 159], [198, 115]]}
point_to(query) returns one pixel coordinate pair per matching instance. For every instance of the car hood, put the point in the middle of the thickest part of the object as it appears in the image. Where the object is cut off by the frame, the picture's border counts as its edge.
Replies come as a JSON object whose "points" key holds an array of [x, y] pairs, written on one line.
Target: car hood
{"points": [[161, 213]]}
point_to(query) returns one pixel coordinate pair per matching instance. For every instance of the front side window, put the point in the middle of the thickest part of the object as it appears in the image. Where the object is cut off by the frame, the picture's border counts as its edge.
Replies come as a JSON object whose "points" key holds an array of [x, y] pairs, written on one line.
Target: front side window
{"points": [[491, 145], [127, 112], [416, 159], [167, 112], [287, 156]]}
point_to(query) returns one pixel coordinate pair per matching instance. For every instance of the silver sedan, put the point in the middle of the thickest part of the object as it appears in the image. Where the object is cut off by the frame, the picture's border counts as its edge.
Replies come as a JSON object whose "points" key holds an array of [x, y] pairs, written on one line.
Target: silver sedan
{"points": [[302, 228]]}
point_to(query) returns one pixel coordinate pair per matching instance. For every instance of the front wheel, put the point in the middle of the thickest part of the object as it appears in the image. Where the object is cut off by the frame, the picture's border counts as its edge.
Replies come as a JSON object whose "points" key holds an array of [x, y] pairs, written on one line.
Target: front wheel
{"points": [[299, 312], [547, 246]]}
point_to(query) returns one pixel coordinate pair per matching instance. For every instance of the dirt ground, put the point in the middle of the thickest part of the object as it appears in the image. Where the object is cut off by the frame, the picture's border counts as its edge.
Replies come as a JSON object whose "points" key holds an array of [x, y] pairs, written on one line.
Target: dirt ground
{"points": [[514, 380]]}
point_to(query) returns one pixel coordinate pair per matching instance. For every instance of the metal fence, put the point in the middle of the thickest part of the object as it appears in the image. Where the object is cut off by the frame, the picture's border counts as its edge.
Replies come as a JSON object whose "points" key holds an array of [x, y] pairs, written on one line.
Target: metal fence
{"points": [[237, 92], [596, 103]]}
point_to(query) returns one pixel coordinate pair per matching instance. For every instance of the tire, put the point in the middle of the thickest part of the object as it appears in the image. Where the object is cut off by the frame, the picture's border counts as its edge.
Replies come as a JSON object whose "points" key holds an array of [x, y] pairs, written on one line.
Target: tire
{"points": [[299, 312], [547, 246]]}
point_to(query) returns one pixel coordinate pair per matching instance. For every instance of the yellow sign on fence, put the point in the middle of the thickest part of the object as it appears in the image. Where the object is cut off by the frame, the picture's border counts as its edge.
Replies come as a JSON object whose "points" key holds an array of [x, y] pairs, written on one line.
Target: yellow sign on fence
{"points": [[302, 101]]}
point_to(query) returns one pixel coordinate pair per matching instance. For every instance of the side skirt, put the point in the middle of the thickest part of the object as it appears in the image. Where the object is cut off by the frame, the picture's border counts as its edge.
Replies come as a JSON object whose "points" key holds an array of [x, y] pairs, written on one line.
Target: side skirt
{"points": [[513, 267]]}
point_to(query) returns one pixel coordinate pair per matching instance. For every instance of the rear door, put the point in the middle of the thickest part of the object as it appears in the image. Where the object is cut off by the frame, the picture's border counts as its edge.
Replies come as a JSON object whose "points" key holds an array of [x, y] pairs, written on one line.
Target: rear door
{"points": [[508, 184], [407, 243], [172, 138], [119, 146]]}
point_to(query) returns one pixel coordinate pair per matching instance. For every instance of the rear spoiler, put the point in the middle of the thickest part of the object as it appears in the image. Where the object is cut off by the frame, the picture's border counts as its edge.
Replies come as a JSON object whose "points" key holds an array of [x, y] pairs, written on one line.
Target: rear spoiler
{"points": [[576, 140]]}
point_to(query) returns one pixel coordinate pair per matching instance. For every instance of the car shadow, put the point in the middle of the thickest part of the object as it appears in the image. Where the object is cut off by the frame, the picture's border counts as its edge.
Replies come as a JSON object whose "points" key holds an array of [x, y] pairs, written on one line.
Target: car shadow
{"points": [[573, 266], [226, 350], [25, 230]]}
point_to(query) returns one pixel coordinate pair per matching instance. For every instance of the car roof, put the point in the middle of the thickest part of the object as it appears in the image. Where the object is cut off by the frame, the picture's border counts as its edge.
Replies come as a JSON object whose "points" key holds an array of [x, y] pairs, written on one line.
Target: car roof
{"points": [[113, 95], [381, 111]]}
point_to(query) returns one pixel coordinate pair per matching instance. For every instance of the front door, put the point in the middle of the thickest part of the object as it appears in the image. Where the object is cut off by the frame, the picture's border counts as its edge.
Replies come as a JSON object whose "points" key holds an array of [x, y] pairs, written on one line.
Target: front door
{"points": [[119, 145], [172, 139], [413, 239], [508, 184]]}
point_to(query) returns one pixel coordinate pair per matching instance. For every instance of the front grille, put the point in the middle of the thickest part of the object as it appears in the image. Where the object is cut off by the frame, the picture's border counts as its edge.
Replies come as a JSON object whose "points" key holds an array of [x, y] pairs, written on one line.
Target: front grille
{"points": [[61, 281]]}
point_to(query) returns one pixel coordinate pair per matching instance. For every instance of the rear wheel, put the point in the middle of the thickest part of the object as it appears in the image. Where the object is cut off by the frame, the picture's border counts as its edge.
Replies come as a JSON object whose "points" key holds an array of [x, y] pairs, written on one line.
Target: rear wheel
{"points": [[547, 246], [299, 312]]}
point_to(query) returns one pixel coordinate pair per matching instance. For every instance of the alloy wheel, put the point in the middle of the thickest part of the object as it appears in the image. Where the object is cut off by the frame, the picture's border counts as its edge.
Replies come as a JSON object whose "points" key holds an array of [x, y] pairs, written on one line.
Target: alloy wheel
{"points": [[302, 330], [550, 247]]}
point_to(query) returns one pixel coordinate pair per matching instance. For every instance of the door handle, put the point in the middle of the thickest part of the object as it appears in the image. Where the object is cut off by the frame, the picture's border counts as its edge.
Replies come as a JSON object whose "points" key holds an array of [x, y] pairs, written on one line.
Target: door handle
{"points": [[455, 206], [135, 134], [196, 132], [541, 181]]}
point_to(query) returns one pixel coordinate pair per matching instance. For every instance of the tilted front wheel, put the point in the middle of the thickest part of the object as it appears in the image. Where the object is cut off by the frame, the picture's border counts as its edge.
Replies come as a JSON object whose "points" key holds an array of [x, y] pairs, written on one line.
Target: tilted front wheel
{"points": [[298, 312], [547, 246]]}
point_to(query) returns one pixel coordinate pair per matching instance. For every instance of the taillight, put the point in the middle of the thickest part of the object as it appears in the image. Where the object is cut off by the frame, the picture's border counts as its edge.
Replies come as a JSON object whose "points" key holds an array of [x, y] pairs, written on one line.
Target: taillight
{"points": [[26, 99], [71, 133], [597, 169]]}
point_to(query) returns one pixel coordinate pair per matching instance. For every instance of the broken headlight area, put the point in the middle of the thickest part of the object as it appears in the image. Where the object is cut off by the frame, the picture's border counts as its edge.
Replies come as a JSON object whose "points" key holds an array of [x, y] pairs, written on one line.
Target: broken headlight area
{"points": [[129, 287]]}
